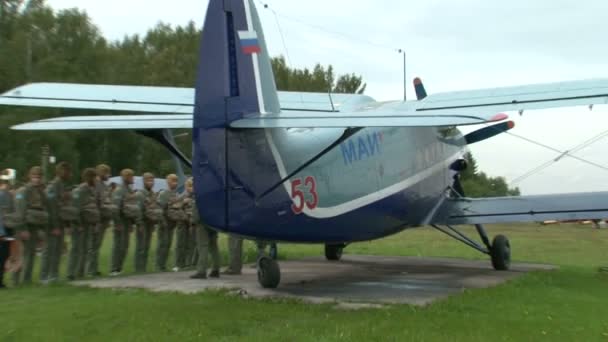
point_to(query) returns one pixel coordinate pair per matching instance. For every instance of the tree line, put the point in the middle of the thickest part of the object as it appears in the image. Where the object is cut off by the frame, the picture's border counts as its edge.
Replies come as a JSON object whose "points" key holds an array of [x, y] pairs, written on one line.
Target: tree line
{"points": [[40, 44]]}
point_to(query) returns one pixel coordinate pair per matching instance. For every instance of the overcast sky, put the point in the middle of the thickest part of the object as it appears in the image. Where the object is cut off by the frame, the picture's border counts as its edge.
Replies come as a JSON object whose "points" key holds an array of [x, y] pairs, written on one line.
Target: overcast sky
{"points": [[452, 45]]}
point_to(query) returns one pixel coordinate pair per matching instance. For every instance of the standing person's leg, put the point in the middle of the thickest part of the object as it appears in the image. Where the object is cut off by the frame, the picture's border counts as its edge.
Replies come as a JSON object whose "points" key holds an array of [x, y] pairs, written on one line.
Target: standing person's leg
{"points": [[4, 253], [161, 239], [117, 246], [235, 249], [82, 250], [140, 235], [169, 242], [29, 255], [149, 231], [180, 246], [214, 252], [126, 237], [57, 253], [73, 258], [46, 255], [93, 251], [202, 239]]}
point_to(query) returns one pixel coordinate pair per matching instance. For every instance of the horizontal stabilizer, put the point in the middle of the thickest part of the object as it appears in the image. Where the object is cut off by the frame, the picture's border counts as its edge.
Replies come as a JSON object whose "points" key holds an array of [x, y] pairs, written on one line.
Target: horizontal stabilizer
{"points": [[563, 207]]}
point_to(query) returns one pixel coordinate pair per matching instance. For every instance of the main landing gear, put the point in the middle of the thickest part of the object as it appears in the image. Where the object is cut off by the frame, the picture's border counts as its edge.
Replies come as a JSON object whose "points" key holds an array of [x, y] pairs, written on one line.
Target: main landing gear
{"points": [[499, 250], [334, 252]]}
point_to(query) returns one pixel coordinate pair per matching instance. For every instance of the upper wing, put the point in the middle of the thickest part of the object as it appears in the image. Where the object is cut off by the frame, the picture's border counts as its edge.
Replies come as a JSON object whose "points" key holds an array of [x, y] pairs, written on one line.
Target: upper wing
{"points": [[446, 109], [102, 97], [310, 109], [561, 207], [95, 122], [147, 99]]}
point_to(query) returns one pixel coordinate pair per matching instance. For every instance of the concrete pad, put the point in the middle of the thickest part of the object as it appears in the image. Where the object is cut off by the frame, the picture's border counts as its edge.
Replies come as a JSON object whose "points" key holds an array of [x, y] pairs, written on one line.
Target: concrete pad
{"points": [[356, 279]]}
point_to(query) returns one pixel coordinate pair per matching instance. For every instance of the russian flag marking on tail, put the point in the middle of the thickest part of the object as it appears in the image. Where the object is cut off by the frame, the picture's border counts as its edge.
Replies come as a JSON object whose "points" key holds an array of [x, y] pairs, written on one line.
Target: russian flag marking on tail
{"points": [[249, 42]]}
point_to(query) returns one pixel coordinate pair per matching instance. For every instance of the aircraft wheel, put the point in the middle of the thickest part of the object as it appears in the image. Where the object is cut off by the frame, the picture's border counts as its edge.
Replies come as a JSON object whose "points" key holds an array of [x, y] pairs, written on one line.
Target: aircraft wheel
{"points": [[274, 251], [269, 273], [333, 252], [501, 253]]}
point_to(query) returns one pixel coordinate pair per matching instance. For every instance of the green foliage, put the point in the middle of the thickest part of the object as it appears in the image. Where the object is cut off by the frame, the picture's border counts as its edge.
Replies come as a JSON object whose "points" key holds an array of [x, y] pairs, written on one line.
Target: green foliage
{"points": [[479, 184]]}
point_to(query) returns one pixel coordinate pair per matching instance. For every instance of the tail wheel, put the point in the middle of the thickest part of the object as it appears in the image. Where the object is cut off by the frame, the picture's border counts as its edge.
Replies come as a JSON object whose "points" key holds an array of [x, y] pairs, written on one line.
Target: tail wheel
{"points": [[333, 252], [501, 253], [269, 273]]}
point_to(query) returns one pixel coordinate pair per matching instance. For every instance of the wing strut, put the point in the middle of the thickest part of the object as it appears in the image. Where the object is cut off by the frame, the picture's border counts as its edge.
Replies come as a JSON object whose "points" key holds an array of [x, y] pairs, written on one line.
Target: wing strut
{"points": [[349, 132], [165, 138]]}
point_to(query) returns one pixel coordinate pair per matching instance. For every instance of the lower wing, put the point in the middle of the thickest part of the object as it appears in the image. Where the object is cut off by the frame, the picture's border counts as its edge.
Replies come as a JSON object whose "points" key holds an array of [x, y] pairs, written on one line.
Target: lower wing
{"points": [[560, 207]]}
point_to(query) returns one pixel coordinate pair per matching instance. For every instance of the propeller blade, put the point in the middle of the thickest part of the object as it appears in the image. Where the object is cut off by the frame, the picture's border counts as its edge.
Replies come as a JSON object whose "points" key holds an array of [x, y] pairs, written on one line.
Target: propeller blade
{"points": [[488, 132], [419, 87]]}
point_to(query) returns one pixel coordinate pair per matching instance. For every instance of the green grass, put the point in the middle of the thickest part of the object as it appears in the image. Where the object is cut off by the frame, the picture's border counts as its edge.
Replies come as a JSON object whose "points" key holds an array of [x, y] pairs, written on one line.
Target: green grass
{"points": [[569, 304]]}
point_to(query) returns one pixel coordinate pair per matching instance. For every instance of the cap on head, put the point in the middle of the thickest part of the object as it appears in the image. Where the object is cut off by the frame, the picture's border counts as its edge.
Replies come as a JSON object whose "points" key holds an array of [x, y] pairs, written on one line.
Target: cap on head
{"points": [[127, 173], [62, 167], [172, 177], [148, 175], [35, 171], [103, 169], [88, 175], [8, 175]]}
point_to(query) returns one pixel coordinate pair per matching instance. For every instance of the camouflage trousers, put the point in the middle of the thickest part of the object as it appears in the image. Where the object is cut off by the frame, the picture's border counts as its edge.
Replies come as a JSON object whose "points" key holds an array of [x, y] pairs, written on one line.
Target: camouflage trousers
{"points": [[206, 242], [78, 250], [37, 235], [235, 249], [120, 246], [94, 245], [183, 245], [143, 237], [163, 244], [51, 254]]}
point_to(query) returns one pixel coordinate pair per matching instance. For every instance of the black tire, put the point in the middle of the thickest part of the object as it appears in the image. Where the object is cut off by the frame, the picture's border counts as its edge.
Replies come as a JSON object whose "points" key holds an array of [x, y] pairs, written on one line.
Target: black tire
{"points": [[269, 273], [333, 252], [273, 252], [501, 253]]}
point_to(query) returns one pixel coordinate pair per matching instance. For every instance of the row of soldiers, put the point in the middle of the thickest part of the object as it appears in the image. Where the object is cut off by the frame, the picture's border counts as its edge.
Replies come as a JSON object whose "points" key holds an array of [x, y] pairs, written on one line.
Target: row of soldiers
{"points": [[39, 215]]}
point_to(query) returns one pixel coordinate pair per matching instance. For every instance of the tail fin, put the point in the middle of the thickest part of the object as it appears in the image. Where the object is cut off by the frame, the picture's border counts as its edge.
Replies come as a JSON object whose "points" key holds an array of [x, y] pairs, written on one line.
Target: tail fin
{"points": [[234, 62], [234, 80]]}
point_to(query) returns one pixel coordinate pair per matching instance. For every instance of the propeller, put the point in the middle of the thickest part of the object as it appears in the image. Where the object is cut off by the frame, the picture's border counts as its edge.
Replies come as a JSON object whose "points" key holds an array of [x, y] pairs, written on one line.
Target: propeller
{"points": [[488, 132]]}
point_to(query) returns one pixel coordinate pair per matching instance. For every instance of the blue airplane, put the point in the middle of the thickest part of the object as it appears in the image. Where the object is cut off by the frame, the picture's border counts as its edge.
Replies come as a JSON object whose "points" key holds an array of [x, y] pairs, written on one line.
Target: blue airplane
{"points": [[321, 168]]}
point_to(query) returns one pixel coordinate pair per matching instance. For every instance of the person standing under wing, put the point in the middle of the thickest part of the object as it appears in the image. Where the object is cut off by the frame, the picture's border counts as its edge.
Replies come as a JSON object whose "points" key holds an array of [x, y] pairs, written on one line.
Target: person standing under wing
{"points": [[206, 237], [32, 209], [128, 216], [107, 210], [173, 214], [152, 214], [8, 221], [62, 215], [86, 201]]}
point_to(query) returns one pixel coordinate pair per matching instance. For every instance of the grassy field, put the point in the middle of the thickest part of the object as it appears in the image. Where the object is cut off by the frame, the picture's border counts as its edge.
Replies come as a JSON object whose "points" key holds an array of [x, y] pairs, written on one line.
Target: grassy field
{"points": [[569, 304]]}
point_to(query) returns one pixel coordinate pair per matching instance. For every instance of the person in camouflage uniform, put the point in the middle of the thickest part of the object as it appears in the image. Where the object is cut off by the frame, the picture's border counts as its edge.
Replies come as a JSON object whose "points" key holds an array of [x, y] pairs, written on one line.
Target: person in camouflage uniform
{"points": [[32, 209], [126, 218], [62, 215], [206, 237], [173, 215], [8, 220], [107, 210], [86, 201], [152, 214]]}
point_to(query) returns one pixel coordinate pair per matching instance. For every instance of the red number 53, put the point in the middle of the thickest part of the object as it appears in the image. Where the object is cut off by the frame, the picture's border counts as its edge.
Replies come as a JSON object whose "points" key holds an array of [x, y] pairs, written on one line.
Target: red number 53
{"points": [[299, 194]]}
